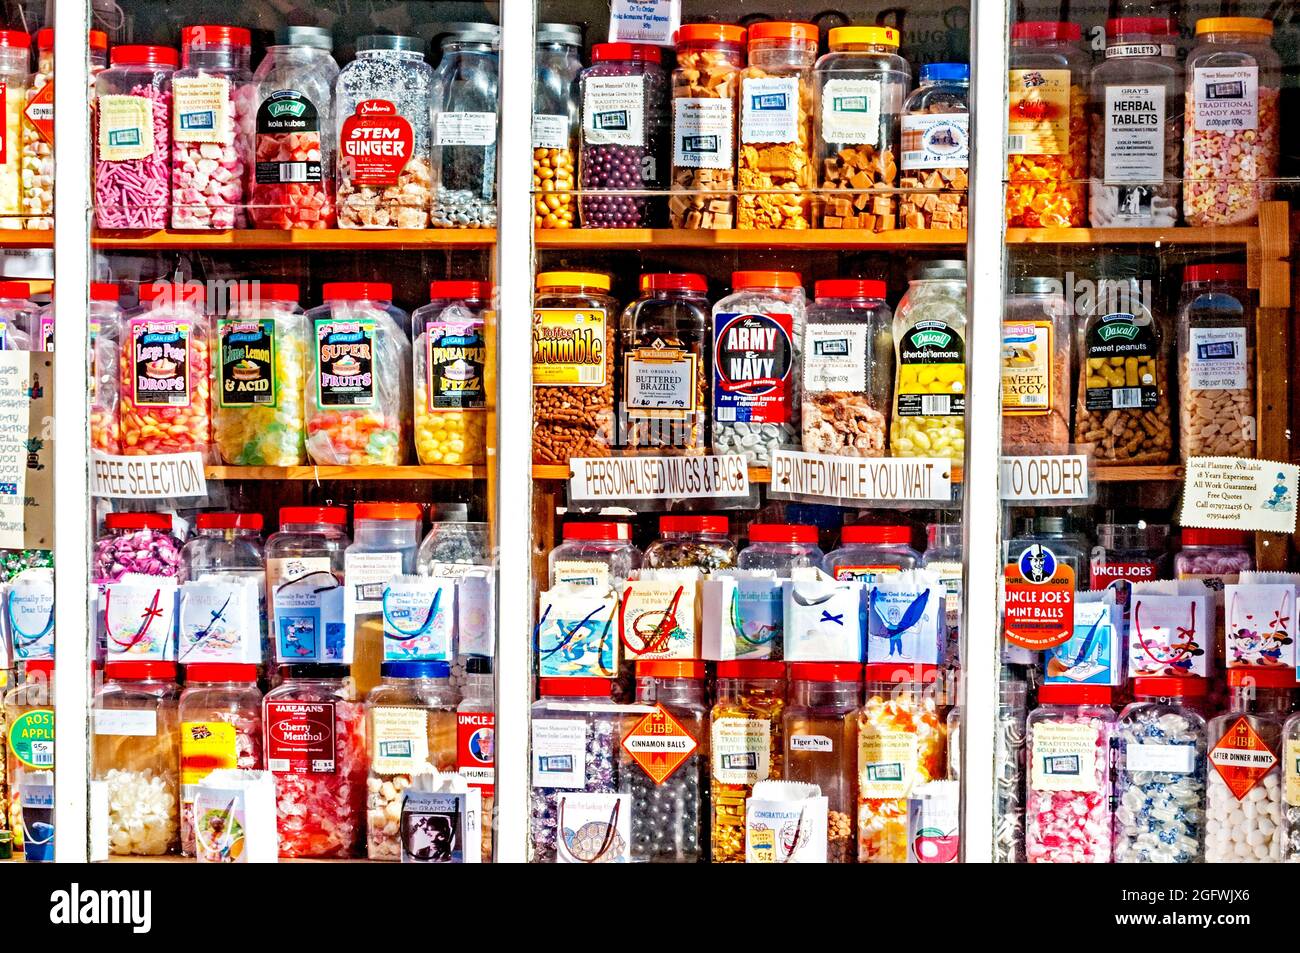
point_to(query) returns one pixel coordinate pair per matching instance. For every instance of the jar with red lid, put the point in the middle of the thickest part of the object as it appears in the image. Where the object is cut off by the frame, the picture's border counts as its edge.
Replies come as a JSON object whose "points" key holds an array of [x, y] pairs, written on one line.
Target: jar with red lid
{"points": [[103, 318], [746, 745], [1216, 377], [664, 392], [1127, 553], [821, 743], [304, 581], [709, 60], [867, 552], [450, 353], [226, 550], [132, 129], [139, 543], [38, 134], [385, 542], [15, 58], [692, 542], [135, 754], [778, 548], [1214, 556], [594, 554]]}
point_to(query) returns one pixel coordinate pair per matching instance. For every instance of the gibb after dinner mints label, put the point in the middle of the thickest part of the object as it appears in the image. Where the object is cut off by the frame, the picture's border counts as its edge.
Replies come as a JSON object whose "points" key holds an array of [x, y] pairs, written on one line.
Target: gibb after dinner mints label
{"points": [[753, 358]]}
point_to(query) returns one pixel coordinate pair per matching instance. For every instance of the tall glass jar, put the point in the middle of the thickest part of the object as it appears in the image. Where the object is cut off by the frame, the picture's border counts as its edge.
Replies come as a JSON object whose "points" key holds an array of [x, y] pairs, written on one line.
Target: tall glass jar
{"points": [[777, 549], [1037, 344], [465, 129], [848, 369], [227, 547], [705, 82], [930, 381], [821, 744], [136, 754], [381, 185], [1232, 132], [386, 538], [1136, 123], [1216, 379], [29, 760], [775, 161], [1009, 772], [746, 745], [304, 563], [625, 132], [692, 542], [102, 323], [15, 55], [1291, 789], [132, 168], [860, 87], [293, 146], [450, 353], [935, 149], [1047, 131], [556, 123], [868, 552], [38, 136], [664, 393], [594, 554], [139, 543]]}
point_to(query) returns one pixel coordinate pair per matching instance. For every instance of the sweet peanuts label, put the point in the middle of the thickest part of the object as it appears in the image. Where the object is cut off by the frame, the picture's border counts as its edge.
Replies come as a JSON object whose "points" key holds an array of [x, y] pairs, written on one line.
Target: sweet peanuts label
{"points": [[613, 110], [703, 130], [455, 355], [938, 141], [200, 109], [1064, 757], [288, 139], [835, 358], [160, 358], [1039, 120], [741, 749], [1226, 99], [246, 374], [207, 746], [659, 743], [1242, 758], [375, 143], [569, 347], [1217, 359], [125, 128], [660, 382], [1122, 364], [1026, 367], [851, 111], [753, 359], [886, 762], [300, 737], [769, 109], [1135, 135], [931, 371], [400, 740], [345, 363]]}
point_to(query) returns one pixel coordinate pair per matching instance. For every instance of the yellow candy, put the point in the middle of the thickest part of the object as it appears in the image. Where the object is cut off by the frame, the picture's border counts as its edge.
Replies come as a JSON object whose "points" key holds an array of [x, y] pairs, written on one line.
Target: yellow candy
{"points": [[450, 422]]}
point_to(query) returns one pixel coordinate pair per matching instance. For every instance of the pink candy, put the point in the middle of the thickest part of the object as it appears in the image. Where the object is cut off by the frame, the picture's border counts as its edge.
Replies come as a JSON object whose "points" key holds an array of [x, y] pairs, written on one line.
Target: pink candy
{"points": [[1068, 826], [132, 193], [209, 178], [150, 552]]}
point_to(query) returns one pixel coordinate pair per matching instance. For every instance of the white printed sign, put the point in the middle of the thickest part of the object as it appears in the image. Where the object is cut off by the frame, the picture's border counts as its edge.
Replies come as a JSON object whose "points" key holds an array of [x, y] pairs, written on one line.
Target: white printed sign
{"points": [[1238, 493], [644, 21], [1047, 477], [861, 478], [651, 478], [162, 476]]}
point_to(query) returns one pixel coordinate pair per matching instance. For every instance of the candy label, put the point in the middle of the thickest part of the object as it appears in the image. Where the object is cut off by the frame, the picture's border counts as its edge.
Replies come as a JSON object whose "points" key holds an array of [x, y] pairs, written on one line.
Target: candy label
{"points": [[936, 142], [125, 128], [161, 360], [819, 744], [1135, 135], [581, 573], [399, 740], [207, 746], [466, 129], [864, 573], [31, 739], [455, 355], [1216, 359], [375, 143], [550, 132], [1160, 759], [569, 347], [753, 361], [125, 722], [1039, 120], [288, 113], [931, 351], [1292, 793], [660, 382], [769, 109], [1242, 758], [246, 373], [200, 109], [1039, 600], [345, 363], [559, 753], [1064, 757], [835, 358], [886, 762], [851, 111], [1225, 100], [40, 112], [1132, 384], [613, 110], [702, 133], [741, 750], [476, 748], [1027, 368], [659, 744], [300, 737]]}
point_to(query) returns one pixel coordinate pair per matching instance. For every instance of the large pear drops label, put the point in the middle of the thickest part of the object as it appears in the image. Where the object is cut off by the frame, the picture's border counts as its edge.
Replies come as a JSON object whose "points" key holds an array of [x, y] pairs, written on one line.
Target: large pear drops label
{"points": [[1242, 758], [659, 744], [375, 143], [1039, 611]]}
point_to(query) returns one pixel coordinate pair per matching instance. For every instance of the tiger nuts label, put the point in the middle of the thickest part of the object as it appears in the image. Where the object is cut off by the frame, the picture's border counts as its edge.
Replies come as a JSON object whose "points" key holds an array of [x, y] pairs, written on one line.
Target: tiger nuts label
{"points": [[835, 358], [125, 128], [741, 749], [703, 130], [660, 382], [455, 355], [300, 737], [613, 110], [1064, 757], [246, 373], [851, 111], [1216, 359], [1226, 99], [345, 363], [579, 572], [160, 357], [1122, 364], [375, 143], [569, 347], [931, 371], [753, 360], [200, 109], [399, 741], [769, 109], [1039, 118], [939, 141], [1135, 135], [550, 132], [287, 112], [886, 762], [1026, 367]]}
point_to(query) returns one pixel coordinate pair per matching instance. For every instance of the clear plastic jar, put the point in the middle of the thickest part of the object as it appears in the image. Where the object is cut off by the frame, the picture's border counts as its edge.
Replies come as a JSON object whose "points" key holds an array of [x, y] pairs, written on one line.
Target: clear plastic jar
{"points": [[15, 56], [1215, 556], [746, 745], [1068, 810], [455, 548], [359, 377], [758, 333], [16, 313], [930, 384], [38, 133], [935, 149], [556, 124], [214, 111], [1056, 533], [135, 752], [304, 561], [450, 355], [1291, 789], [1037, 344], [1216, 377], [476, 740], [1047, 132], [779, 548], [868, 552], [1136, 122], [386, 539], [1126, 553], [258, 417], [821, 744], [133, 107], [29, 760], [574, 343], [1159, 746], [220, 728], [709, 59], [1232, 130], [664, 397], [139, 543], [225, 544], [667, 794], [1009, 773], [594, 554], [775, 161], [848, 369], [861, 84], [385, 151], [943, 556], [692, 542], [625, 134], [410, 730], [293, 146], [102, 324], [316, 749], [465, 129]]}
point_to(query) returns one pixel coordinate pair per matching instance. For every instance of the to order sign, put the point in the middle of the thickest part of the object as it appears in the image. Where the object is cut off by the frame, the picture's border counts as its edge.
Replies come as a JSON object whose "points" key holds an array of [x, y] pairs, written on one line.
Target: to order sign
{"points": [[1039, 610], [164, 476], [870, 479], [653, 478], [1046, 477]]}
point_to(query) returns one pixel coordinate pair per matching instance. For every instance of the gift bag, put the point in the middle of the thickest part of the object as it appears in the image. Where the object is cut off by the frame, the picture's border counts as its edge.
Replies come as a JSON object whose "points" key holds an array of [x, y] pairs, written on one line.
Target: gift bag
{"points": [[308, 616], [1169, 634], [29, 616], [934, 823], [220, 620], [785, 823], [441, 821], [139, 614], [1093, 655], [1258, 625], [475, 615], [593, 828], [823, 621], [576, 634], [657, 619], [234, 818], [418, 613], [906, 618], [743, 616]]}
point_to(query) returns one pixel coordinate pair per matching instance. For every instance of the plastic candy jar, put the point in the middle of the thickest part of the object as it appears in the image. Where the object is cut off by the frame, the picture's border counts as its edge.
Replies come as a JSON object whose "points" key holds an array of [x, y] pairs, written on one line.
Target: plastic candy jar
{"points": [[575, 744], [293, 145], [410, 730], [1037, 348], [455, 548], [16, 314], [779, 548], [1057, 534], [165, 366], [625, 131], [860, 87], [695, 542], [385, 161], [556, 122], [758, 335], [574, 340], [386, 538], [935, 149], [136, 543], [15, 53], [1009, 773], [665, 337], [594, 554], [867, 552], [775, 162], [1127, 553], [664, 762], [465, 129], [227, 547], [304, 561], [38, 132], [220, 728], [1216, 379], [136, 753], [821, 744], [848, 369], [359, 376], [709, 60], [930, 384], [476, 740], [29, 758], [746, 745], [261, 351], [1291, 789], [102, 324], [133, 102], [1232, 126], [1068, 810], [316, 748], [1215, 556], [450, 354]]}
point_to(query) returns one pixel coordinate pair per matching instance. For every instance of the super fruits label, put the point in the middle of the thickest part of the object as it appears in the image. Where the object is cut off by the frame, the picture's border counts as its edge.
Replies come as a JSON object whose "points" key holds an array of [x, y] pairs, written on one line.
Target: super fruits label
{"points": [[345, 365], [931, 371], [455, 355], [1039, 119], [375, 143], [1122, 364], [288, 139], [300, 737], [160, 362], [246, 374], [569, 347], [753, 363]]}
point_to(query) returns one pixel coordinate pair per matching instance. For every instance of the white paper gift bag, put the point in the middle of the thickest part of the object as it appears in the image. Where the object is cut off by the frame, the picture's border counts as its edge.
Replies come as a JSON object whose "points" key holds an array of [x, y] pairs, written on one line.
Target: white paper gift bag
{"points": [[823, 621]]}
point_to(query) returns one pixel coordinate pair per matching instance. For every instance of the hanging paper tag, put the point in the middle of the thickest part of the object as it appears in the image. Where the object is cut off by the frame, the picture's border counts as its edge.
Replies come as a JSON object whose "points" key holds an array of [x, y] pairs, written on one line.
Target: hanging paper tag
{"points": [[785, 823], [139, 615], [576, 633], [644, 21], [418, 613], [743, 617], [906, 618], [823, 620], [234, 818], [1091, 655], [309, 620], [220, 621], [1259, 622], [29, 615], [657, 620], [593, 828], [1168, 635]]}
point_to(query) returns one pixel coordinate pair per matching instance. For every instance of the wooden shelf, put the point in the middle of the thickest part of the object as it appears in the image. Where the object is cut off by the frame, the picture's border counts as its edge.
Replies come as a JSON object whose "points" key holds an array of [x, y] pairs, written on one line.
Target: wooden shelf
{"points": [[1172, 235], [295, 239], [1102, 474], [26, 238], [345, 473]]}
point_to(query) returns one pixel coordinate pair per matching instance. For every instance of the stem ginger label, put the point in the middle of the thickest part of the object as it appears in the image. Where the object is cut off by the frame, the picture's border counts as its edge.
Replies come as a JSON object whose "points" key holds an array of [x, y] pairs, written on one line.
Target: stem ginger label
{"points": [[246, 368], [1242, 758], [300, 737], [1027, 367], [742, 750], [345, 366], [1039, 119], [569, 347], [375, 143], [160, 362], [659, 743], [125, 128], [753, 362]]}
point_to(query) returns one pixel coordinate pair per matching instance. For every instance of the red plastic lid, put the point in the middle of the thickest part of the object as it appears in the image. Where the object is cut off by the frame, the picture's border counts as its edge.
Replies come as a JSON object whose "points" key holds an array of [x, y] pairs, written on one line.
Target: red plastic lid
{"points": [[140, 670], [14, 289], [1214, 273], [104, 291], [460, 290], [334, 515], [45, 38], [710, 33], [784, 30], [718, 525], [1170, 686], [576, 687], [1214, 537], [212, 35], [674, 282], [259, 290], [387, 511], [1262, 678], [134, 54], [97, 39], [1156, 26], [670, 668], [751, 668], [228, 521], [1074, 695], [623, 52], [357, 291], [138, 521], [782, 533], [15, 38], [876, 534], [1046, 30], [220, 672], [826, 671], [44, 666], [850, 288], [900, 673], [597, 531], [765, 279]]}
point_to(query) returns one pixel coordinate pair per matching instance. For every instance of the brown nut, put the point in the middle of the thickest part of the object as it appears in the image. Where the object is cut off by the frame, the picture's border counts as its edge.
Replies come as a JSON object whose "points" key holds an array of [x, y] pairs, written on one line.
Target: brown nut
{"points": [[862, 173]]}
